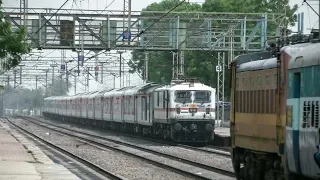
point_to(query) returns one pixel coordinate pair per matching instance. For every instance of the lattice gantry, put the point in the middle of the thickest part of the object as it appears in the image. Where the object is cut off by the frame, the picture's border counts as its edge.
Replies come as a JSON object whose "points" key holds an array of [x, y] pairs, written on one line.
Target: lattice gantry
{"points": [[176, 31]]}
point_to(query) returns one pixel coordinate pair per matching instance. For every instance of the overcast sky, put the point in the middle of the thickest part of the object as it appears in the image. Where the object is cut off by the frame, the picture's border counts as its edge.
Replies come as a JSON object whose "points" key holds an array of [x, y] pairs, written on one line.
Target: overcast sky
{"points": [[310, 19]]}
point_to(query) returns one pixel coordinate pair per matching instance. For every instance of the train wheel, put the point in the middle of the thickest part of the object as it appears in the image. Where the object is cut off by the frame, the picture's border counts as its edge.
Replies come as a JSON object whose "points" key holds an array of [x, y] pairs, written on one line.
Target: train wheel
{"points": [[239, 172], [166, 134], [123, 127], [136, 129]]}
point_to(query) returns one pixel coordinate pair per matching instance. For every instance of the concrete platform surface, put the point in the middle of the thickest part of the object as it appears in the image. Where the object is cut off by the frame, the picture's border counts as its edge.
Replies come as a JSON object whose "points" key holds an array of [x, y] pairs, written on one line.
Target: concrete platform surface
{"points": [[21, 159], [223, 132]]}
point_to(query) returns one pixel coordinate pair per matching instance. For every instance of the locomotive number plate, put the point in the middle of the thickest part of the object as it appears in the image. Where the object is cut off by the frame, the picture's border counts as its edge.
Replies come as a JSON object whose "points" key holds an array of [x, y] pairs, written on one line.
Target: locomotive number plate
{"points": [[193, 106]]}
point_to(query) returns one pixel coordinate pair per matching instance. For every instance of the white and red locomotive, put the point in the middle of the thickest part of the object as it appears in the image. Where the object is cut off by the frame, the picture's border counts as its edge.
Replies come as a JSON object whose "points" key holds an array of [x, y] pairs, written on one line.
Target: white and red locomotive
{"points": [[183, 112]]}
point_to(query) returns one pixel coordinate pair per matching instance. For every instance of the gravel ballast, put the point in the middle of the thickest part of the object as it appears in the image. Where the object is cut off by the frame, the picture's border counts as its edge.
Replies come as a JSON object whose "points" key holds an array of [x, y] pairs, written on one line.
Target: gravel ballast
{"points": [[116, 162], [210, 159]]}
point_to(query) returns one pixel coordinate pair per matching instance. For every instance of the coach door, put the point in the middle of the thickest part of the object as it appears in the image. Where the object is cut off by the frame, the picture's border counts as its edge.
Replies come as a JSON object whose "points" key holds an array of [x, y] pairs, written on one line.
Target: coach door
{"points": [[144, 108], [148, 108], [122, 110], [293, 123]]}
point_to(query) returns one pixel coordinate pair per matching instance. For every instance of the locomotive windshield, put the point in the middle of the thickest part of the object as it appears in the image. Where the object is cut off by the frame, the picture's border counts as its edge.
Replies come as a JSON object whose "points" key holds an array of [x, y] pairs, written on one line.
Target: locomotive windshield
{"points": [[202, 96], [183, 96]]}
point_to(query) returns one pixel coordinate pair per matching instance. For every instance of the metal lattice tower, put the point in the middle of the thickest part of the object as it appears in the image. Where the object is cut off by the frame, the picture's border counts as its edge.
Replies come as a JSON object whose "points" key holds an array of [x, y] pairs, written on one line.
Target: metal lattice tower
{"points": [[177, 32], [220, 84], [127, 18], [146, 69], [24, 11], [221, 67]]}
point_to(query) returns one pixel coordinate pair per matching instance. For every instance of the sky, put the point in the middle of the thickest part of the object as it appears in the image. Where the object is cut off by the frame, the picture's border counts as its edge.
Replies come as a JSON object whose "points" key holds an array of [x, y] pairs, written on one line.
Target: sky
{"points": [[310, 21]]}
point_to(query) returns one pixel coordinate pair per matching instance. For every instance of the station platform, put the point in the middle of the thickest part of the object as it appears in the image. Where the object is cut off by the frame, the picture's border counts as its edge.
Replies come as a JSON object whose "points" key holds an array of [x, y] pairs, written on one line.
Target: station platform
{"points": [[222, 131], [222, 136], [22, 159]]}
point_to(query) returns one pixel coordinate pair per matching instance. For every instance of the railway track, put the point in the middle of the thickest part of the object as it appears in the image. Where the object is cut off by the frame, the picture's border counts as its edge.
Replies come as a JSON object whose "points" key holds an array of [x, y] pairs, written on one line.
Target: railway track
{"points": [[213, 150], [90, 165], [91, 139], [210, 149]]}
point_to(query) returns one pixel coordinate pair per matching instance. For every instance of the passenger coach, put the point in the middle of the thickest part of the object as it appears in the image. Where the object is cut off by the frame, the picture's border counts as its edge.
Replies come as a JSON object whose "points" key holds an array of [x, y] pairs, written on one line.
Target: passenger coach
{"points": [[183, 111]]}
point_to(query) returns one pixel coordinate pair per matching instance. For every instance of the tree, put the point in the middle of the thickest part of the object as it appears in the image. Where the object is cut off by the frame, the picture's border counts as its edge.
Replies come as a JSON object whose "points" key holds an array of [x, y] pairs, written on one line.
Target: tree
{"points": [[12, 43], [160, 63], [22, 98], [256, 6], [202, 64], [58, 87]]}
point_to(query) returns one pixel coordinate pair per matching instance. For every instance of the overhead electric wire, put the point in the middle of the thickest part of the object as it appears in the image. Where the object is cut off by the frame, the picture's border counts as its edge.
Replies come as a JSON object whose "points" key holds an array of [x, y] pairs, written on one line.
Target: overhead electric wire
{"points": [[315, 24], [279, 36], [311, 7], [143, 31], [139, 34], [108, 5], [309, 16]]}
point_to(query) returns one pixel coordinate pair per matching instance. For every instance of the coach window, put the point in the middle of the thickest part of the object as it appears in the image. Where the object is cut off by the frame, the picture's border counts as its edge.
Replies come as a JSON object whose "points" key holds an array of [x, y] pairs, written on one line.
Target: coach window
{"points": [[158, 101], [244, 81], [275, 78]]}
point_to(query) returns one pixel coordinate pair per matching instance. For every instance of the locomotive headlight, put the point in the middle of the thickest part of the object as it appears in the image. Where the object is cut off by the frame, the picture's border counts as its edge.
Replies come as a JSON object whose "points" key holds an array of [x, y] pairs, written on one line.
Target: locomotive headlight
{"points": [[177, 127], [209, 127], [193, 127], [178, 110]]}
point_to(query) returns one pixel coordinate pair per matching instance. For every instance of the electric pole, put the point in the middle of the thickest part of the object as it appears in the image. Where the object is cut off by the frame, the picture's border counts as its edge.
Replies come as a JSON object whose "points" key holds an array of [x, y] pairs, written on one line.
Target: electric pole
{"points": [[75, 84], [8, 81], [127, 12], [146, 67], [20, 74], [129, 79], [61, 86], [67, 76], [23, 10], [52, 83], [36, 82], [114, 81], [88, 74], [120, 75], [102, 73], [46, 82], [14, 78]]}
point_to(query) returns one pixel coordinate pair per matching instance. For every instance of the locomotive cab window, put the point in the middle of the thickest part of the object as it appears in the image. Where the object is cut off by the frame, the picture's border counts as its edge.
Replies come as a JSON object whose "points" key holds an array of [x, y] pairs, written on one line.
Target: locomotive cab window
{"points": [[202, 96], [183, 96]]}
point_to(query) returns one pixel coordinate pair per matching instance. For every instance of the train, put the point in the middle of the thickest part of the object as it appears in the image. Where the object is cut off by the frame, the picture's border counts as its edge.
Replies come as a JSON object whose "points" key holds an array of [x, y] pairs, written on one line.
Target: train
{"points": [[274, 124], [183, 111]]}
